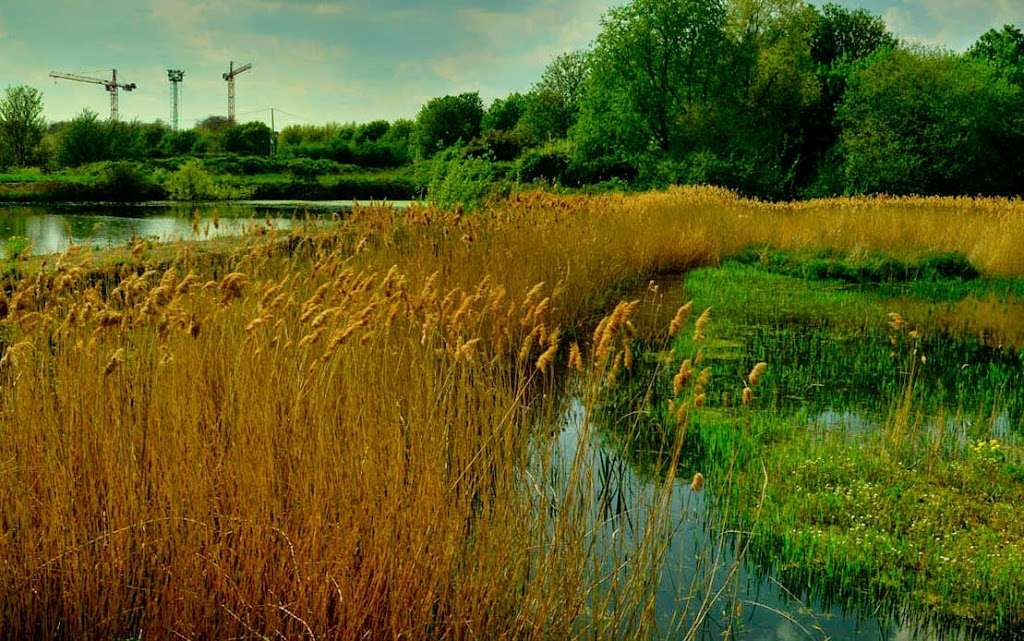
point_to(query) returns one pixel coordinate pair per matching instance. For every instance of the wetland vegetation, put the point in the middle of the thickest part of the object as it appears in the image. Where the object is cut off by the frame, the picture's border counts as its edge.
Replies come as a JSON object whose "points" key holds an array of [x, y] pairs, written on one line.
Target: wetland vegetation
{"points": [[870, 471], [668, 346]]}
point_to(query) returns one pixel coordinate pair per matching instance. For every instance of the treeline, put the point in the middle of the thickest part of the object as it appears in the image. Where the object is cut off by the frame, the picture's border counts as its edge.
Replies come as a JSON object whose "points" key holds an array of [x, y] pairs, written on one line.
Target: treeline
{"points": [[774, 98]]}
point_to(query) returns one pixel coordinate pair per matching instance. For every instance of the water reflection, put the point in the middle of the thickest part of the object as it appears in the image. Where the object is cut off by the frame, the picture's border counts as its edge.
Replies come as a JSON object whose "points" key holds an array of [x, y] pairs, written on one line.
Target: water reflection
{"points": [[52, 228], [747, 603]]}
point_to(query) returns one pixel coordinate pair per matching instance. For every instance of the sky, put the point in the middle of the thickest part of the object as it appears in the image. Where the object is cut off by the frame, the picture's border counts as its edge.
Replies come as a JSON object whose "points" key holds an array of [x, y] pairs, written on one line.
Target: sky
{"points": [[342, 60]]}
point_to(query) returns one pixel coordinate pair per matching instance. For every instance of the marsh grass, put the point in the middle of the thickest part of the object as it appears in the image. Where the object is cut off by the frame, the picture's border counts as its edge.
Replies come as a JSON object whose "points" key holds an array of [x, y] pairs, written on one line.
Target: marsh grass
{"points": [[342, 432], [915, 515]]}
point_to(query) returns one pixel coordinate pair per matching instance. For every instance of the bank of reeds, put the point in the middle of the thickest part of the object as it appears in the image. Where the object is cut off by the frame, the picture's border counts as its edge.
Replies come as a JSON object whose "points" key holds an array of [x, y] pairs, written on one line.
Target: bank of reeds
{"points": [[342, 434]]}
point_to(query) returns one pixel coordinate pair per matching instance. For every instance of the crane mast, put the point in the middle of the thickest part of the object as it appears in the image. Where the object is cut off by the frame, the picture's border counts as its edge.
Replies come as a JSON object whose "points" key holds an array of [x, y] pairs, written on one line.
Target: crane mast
{"points": [[112, 86], [230, 76], [176, 76]]}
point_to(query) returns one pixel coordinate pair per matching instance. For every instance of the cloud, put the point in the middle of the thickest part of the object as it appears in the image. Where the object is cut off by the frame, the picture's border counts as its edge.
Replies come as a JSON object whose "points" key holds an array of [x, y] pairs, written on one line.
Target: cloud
{"points": [[949, 24]]}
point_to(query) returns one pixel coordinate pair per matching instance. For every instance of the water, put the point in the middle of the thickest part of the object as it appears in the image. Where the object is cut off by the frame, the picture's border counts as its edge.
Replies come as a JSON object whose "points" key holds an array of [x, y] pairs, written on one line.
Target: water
{"points": [[51, 228], [700, 562]]}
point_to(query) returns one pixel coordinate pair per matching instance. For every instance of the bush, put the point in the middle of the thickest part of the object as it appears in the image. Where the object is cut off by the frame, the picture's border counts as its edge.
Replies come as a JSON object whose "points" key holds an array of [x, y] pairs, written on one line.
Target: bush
{"points": [[551, 163], [496, 145], [192, 182], [307, 169], [466, 182], [122, 180]]}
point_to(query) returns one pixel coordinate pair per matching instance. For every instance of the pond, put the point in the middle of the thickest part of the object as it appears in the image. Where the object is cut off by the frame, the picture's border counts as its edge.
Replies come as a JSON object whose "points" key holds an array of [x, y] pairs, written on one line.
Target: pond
{"points": [[51, 228]]}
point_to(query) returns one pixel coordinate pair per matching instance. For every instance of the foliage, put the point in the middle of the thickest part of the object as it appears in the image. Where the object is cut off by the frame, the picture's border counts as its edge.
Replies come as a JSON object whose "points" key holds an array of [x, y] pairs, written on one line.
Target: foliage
{"points": [[1004, 50], [444, 121], [192, 183], [916, 121], [250, 139], [83, 141], [504, 113], [655, 62], [461, 182], [551, 163], [21, 123], [552, 107]]}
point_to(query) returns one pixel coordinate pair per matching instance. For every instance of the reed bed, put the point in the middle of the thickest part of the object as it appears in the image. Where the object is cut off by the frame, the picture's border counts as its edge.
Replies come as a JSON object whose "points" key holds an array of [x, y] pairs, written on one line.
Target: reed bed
{"points": [[342, 433]]}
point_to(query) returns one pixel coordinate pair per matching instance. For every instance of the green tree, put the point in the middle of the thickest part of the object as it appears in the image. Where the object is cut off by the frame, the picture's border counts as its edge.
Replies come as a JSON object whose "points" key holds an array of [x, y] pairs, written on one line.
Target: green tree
{"points": [[655, 65], [922, 121], [848, 34], [83, 140], [250, 139], [504, 113], [1004, 50], [21, 123], [553, 105], [444, 121]]}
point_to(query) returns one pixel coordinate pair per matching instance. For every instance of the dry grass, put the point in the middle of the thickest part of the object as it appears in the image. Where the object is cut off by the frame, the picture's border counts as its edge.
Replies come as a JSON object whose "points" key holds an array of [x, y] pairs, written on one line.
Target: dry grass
{"points": [[337, 434]]}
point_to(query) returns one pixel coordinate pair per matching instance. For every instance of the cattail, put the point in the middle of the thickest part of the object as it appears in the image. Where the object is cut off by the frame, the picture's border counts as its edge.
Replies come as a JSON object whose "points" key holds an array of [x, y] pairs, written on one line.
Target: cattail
{"points": [[677, 321], [532, 293], [705, 377], [526, 348], [702, 323], [757, 373], [698, 482], [682, 377], [116, 359], [682, 413], [541, 307], [310, 338], [748, 395], [465, 352], [575, 357]]}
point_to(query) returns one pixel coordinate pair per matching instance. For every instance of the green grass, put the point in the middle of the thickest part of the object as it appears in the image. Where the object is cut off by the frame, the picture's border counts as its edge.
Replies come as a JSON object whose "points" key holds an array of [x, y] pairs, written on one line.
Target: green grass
{"points": [[915, 506], [87, 183]]}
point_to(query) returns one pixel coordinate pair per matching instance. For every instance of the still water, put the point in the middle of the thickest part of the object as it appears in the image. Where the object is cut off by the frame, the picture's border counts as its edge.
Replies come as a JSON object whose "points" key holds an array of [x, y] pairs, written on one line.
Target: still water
{"points": [[745, 601], [51, 228]]}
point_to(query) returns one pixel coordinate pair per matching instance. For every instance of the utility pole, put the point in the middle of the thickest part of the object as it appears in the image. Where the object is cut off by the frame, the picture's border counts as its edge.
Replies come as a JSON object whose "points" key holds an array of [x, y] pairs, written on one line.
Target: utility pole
{"points": [[273, 134], [112, 86], [175, 76], [230, 77]]}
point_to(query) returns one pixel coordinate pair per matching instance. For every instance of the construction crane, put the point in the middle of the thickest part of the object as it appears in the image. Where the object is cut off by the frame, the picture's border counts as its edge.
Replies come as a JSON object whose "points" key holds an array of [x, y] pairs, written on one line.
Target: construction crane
{"points": [[176, 76], [230, 77], [112, 86]]}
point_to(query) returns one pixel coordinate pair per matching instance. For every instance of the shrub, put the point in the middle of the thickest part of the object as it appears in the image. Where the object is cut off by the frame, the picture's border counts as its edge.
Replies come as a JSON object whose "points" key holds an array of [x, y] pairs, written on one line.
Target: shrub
{"points": [[550, 163], [192, 182], [465, 182]]}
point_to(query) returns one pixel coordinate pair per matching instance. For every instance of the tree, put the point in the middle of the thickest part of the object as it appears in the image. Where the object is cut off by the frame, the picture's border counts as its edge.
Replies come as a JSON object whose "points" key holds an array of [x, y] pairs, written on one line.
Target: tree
{"points": [[250, 139], [444, 121], [553, 105], [1004, 50], [655, 62], [21, 123], [843, 34], [775, 85], [504, 113], [83, 140], [841, 37], [922, 121]]}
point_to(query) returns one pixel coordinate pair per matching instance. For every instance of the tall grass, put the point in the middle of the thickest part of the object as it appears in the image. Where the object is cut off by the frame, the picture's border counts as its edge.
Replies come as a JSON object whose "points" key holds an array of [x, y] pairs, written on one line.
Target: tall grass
{"points": [[341, 433]]}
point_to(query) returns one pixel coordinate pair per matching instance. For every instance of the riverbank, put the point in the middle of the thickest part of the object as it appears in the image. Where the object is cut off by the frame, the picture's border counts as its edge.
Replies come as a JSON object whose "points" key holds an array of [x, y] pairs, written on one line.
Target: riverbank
{"points": [[138, 182]]}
